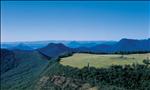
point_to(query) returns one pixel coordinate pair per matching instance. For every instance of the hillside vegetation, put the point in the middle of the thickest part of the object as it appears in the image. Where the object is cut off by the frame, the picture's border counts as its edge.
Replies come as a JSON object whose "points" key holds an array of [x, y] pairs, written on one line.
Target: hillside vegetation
{"points": [[116, 77], [29, 65]]}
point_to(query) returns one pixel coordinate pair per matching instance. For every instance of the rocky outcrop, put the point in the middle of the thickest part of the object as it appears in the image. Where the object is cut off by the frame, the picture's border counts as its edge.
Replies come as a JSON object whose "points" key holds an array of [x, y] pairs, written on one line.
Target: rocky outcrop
{"points": [[64, 82], [42, 83]]}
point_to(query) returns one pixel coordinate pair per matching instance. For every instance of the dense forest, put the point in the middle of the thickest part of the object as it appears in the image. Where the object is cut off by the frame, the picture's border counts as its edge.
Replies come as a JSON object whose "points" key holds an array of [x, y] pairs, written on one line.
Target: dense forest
{"points": [[116, 77]]}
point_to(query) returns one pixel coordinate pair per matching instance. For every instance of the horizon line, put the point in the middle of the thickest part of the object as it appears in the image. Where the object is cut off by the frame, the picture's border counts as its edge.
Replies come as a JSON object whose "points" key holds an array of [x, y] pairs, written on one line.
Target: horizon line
{"points": [[68, 40]]}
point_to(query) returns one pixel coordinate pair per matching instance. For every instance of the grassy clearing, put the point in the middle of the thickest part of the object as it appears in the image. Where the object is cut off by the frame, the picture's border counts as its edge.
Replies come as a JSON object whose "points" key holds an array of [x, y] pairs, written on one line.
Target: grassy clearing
{"points": [[80, 60]]}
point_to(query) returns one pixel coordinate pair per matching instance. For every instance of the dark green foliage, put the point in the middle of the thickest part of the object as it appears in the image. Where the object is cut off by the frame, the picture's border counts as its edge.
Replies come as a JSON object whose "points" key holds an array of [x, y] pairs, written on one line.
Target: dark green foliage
{"points": [[8, 60], [131, 52], [29, 65], [132, 77], [146, 61]]}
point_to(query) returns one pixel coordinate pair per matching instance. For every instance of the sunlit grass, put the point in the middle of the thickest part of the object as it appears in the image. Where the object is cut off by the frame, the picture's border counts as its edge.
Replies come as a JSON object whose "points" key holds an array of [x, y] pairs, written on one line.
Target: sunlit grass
{"points": [[80, 60]]}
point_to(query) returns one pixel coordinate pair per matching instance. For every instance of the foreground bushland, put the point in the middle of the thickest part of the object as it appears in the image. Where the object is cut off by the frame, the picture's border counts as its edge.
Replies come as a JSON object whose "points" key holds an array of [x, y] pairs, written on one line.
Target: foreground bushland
{"points": [[116, 77]]}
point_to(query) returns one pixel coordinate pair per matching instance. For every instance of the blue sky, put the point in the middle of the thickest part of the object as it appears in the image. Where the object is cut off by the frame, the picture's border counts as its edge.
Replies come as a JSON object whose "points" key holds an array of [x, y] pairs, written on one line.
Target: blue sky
{"points": [[74, 20]]}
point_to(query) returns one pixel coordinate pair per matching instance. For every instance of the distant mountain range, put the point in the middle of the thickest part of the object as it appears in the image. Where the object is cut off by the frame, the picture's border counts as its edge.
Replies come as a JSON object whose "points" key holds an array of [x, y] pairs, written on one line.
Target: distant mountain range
{"points": [[54, 50], [40, 44], [77, 44], [132, 45], [22, 46], [124, 45], [18, 46]]}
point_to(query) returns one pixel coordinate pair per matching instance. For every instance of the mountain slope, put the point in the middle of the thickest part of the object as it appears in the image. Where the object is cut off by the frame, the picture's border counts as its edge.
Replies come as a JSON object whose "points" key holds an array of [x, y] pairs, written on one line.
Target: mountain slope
{"points": [[55, 50], [29, 66], [8, 60]]}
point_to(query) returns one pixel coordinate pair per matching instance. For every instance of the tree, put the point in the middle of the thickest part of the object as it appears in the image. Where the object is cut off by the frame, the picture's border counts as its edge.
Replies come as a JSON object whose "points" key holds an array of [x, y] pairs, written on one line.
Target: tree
{"points": [[146, 61]]}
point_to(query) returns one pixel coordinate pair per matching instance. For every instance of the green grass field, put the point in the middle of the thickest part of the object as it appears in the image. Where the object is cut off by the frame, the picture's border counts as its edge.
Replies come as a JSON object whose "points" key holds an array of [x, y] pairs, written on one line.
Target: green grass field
{"points": [[80, 60]]}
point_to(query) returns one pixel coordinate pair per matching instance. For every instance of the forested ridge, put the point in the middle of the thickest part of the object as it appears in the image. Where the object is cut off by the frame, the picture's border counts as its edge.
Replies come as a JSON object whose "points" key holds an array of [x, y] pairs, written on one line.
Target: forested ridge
{"points": [[116, 77]]}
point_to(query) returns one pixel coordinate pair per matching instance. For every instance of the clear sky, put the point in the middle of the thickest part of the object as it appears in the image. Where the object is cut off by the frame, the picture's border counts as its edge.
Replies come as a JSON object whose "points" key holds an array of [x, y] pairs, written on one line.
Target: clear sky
{"points": [[74, 20]]}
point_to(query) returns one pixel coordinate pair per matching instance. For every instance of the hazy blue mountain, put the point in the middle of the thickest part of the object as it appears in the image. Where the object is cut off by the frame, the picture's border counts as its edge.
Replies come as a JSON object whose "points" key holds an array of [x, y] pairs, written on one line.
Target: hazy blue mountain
{"points": [[54, 50], [102, 48], [40, 44], [8, 46], [74, 44], [124, 45], [86, 46], [22, 46], [132, 45], [82, 49], [78, 44]]}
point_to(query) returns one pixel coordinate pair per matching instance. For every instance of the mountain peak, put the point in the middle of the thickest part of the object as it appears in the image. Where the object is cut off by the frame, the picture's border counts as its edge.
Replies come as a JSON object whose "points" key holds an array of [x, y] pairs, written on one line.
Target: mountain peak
{"points": [[54, 50]]}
